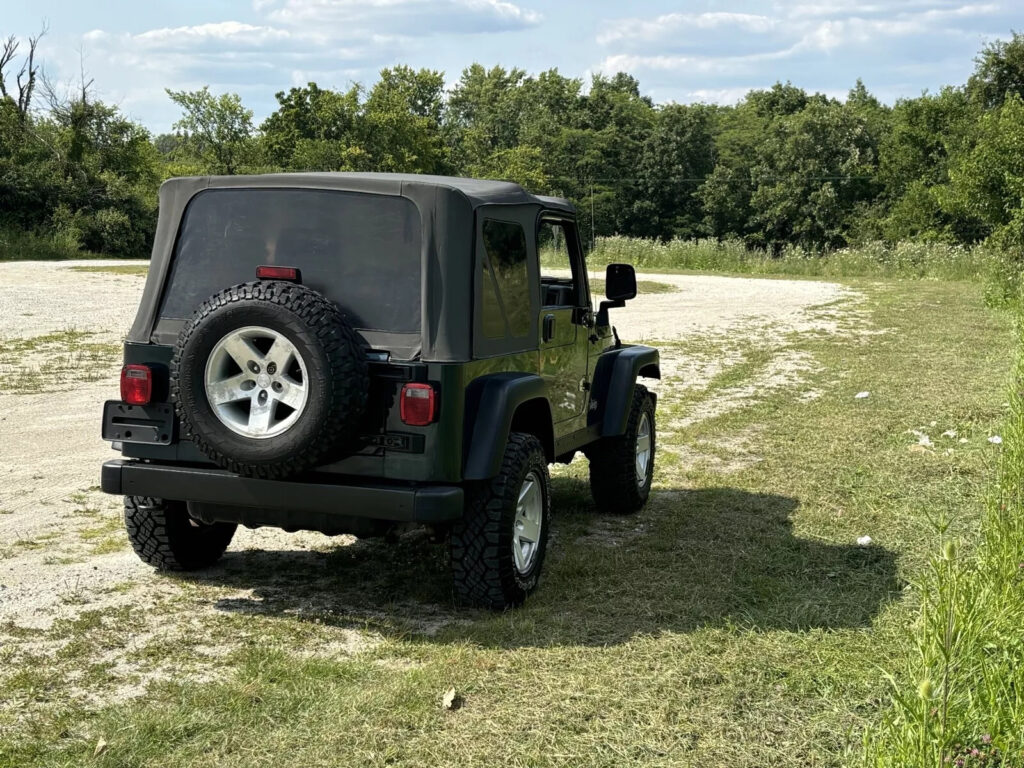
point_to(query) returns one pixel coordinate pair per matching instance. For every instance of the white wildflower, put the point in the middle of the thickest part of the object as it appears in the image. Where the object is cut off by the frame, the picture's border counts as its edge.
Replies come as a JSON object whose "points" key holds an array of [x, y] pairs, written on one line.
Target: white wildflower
{"points": [[995, 439], [950, 433], [861, 395]]}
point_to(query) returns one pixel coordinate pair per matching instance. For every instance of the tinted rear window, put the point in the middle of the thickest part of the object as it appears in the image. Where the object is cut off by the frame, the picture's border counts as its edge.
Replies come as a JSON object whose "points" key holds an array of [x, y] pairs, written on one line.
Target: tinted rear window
{"points": [[362, 251]]}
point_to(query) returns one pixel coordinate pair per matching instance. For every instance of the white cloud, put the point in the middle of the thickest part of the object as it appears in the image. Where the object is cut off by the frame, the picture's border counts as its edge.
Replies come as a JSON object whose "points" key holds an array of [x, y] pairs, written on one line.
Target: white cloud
{"points": [[225, 32], [834, 8], [736, 43], [421, 16], [675, 23], [706, 65]]}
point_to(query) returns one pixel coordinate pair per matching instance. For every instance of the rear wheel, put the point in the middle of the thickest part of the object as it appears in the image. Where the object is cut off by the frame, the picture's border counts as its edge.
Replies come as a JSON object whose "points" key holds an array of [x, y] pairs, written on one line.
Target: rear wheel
{"points": [[164, 536], [622, 467], [498, 547]]}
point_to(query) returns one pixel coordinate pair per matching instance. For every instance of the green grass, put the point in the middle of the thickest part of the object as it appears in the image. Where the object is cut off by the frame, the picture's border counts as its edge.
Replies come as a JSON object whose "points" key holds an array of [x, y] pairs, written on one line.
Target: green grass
{"points": [[140, 270], [733, 622], [53, 362], [958, 694], [900, 260]]}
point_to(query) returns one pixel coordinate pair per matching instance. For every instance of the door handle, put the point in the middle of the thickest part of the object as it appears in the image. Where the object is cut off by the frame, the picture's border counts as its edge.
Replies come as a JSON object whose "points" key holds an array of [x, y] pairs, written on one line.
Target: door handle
{"points": [[549, 327]]}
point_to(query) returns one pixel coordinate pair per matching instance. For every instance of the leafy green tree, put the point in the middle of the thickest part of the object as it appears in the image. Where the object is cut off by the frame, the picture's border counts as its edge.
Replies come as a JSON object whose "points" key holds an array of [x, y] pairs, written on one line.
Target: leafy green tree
{"points": [[217, 129], [725, 195], [677, 156], [987, 183], [524, 165], [778, 101], [923, 137], [312, 129], [998, 73], [815, 172], [401, 121], [483, 115], [615, 122]]}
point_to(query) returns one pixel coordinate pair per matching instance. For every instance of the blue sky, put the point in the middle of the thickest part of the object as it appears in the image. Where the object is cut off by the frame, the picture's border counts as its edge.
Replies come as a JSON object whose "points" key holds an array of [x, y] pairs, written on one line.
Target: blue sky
{"points": [[706, 50]]}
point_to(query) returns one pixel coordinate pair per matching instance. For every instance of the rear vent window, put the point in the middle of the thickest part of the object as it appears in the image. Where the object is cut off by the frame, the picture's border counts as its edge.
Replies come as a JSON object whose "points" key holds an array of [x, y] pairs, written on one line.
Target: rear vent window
{"points": [[362, 251]]}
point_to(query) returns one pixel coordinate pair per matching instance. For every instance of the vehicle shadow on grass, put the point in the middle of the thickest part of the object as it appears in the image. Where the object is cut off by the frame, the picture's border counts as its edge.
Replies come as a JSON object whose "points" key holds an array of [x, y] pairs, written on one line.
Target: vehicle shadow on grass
{"points": [[691, 559]]}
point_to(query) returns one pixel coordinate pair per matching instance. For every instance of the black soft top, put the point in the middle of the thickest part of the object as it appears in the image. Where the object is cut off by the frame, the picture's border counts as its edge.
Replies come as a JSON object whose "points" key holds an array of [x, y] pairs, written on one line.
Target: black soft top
{"points": [[447, 207], [476, 191]]}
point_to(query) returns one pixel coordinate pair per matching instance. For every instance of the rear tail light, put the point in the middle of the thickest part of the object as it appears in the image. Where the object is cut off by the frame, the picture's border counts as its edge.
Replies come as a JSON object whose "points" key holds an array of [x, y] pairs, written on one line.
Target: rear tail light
{"points": [[279, 273], [418, 405], [136, 384]]}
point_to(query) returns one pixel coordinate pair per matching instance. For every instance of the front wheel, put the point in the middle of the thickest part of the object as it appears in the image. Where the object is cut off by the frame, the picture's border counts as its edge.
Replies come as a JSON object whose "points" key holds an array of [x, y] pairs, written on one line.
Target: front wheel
{"points": [[498, 548], [622, 467], [164, 535]]}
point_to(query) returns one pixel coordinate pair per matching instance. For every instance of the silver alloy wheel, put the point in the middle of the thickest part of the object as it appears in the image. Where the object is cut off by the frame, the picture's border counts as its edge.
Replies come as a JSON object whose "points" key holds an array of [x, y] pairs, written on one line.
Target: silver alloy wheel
{"points": [[254, 393], [643, 449], [528, 522]]}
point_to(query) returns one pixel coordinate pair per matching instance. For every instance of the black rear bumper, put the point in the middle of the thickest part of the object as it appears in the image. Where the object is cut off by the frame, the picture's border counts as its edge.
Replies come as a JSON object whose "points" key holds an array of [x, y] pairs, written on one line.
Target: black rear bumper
{"points": [[397, 503]]}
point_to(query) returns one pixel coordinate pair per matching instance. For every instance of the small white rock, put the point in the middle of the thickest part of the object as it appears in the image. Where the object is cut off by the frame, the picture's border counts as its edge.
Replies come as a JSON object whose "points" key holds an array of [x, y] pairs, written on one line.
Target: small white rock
{"points": [[995, 439], [864, 541], [950, 433], [963, 439], [862, 395]]}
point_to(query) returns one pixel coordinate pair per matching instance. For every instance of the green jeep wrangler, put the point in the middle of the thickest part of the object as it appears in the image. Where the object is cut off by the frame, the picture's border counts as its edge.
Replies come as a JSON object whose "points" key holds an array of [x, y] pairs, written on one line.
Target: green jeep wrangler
{"points": [[348, 352]]}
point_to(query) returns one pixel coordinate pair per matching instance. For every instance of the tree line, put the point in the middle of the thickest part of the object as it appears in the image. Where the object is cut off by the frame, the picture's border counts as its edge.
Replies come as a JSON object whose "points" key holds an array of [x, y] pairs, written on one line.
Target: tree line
{"points": [[781, 167]]}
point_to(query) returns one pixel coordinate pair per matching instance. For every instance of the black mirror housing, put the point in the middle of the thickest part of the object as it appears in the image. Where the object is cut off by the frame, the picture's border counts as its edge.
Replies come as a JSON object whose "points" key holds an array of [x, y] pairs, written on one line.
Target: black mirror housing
{"points": [[620, 282]]}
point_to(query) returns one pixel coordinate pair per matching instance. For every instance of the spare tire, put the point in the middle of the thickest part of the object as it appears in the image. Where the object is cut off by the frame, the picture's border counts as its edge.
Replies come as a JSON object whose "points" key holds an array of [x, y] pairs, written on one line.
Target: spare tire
{"points": [[269, 379]]}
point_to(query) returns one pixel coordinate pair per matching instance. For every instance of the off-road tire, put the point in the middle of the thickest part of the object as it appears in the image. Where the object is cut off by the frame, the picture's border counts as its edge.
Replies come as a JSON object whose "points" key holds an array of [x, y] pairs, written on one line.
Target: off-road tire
{"points": [[483, 565], [338, 378], [614, 483], [164, 536]]}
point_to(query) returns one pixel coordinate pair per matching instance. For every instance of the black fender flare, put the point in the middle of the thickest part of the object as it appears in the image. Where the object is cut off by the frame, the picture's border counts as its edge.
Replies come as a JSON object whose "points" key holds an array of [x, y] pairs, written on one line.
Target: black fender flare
{"points": [[614, 380], [492, 401]]}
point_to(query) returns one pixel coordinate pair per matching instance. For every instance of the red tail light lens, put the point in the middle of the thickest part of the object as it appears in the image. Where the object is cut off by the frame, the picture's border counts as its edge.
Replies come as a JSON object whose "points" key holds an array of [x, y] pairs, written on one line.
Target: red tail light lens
{"points": [[136, 384], [418, 405], [279, 273]]}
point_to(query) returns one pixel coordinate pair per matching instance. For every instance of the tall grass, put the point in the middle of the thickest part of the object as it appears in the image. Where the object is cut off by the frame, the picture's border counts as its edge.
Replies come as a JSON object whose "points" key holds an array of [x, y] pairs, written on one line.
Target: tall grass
{"points": [[905, 259], [21, 245], [960, 699]]}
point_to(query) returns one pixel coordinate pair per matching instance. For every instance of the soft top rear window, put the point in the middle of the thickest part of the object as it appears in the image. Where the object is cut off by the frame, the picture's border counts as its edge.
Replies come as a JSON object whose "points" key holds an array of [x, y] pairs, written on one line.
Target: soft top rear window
{"points": [[360, 250]]}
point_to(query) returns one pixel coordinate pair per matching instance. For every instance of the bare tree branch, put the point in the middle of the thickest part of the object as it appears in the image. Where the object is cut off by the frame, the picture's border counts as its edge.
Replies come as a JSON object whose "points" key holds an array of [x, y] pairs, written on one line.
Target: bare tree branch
{"points": [[7, 54], [25, 79]]}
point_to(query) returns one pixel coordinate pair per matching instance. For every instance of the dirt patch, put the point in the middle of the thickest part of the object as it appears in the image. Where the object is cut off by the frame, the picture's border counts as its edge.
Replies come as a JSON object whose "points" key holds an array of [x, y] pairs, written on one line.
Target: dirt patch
{"points": [[785, 370]]}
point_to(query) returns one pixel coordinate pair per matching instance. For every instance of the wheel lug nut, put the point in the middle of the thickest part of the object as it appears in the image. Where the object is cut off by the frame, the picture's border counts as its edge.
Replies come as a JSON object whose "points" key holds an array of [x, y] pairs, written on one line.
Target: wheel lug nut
{"points": [[272, 369], [277, 386], [254, 366]]}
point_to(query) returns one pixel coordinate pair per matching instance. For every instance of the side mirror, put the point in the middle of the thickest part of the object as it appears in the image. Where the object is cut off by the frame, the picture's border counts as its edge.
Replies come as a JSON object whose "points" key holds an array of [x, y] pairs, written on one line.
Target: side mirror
{"points": [[620, 282], [619, 287]]}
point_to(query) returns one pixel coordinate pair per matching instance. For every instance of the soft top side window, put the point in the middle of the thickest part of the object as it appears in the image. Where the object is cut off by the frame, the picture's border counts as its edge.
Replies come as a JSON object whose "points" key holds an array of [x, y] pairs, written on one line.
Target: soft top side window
{"points": [[505, 298]]}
